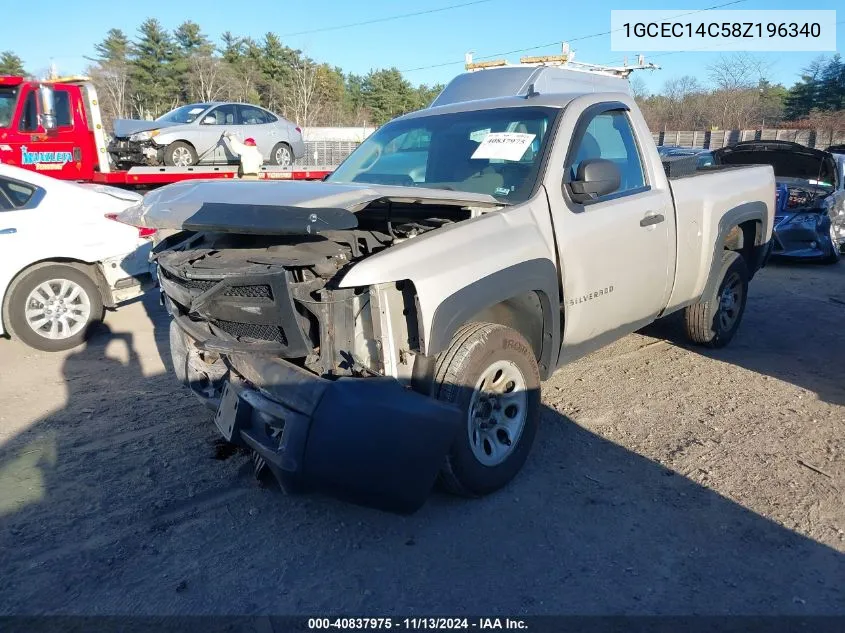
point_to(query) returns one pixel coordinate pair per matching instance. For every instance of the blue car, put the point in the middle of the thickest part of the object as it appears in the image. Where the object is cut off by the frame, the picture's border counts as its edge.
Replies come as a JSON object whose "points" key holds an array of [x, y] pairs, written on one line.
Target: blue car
{"points": [[810, 206]]}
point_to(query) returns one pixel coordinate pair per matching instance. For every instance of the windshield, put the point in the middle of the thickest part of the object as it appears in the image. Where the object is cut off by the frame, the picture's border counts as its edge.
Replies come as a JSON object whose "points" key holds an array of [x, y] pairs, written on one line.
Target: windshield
{"points": [[495, 152], [184, 114], [7, 105]]}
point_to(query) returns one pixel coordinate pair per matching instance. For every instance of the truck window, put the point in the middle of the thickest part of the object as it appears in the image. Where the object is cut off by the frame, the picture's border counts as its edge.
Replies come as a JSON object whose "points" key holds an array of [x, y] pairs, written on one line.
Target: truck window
{"points": [[609, 136], [495, 152], [7, 105], [29, 114], [61, 100]]}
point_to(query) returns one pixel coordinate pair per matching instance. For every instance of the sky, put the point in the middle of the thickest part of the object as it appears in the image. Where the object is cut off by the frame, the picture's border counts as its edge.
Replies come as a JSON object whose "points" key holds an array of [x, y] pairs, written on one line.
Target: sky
{"points": [[428, 48]]}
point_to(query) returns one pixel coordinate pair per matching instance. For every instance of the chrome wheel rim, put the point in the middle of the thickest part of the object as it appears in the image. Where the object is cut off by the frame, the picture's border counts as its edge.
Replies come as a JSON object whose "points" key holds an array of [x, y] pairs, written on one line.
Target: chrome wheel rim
{"points": [[58, 309], [730, 302], [497, 413], [283, 156], [182, 157]]}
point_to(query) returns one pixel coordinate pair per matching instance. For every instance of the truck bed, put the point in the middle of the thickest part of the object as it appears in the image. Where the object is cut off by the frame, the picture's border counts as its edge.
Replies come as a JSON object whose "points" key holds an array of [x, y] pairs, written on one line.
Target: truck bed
{"points": [[701, 202]]}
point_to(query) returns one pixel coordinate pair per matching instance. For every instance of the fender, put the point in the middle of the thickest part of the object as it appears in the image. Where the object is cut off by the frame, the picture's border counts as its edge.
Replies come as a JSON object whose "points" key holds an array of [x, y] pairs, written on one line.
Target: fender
{"points": [[478, 262], [536, 275], [734, 217]]}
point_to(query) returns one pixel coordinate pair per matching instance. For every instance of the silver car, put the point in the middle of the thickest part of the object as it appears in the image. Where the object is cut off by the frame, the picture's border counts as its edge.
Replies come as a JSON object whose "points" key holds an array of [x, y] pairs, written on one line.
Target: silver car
{"points": [[192, 134]]}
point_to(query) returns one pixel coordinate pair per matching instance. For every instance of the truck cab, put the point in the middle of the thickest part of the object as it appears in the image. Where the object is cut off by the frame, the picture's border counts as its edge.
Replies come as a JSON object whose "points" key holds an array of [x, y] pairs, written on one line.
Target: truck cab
{"points": [[392, 325], [44, 127]]}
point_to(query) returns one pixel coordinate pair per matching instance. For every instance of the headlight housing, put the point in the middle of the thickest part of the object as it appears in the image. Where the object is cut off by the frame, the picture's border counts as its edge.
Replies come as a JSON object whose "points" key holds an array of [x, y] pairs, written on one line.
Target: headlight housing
{"points": [[144, 136]]}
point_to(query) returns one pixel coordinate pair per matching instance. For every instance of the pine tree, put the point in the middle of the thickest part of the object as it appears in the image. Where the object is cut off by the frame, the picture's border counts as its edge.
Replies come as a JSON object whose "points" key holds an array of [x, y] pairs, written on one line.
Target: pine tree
{"points": [[804, 95], [153, 69], [11, 64], [115, 47]]}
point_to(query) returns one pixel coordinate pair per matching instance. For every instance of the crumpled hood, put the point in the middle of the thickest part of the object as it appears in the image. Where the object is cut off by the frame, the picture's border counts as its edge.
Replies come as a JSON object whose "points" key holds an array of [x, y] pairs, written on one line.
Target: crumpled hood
{"points": [[790, 160], [124, 128], [276, 208]]}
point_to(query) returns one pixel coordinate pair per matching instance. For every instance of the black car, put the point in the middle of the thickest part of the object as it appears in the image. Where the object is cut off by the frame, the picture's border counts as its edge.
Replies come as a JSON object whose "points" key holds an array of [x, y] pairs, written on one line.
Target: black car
{"points": [[810, 204]]}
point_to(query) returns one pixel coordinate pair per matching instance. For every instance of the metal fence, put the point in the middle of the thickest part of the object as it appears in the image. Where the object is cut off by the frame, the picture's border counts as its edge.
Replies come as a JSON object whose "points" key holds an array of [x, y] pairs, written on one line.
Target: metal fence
{"points": [[321, 153], [714, 140]]}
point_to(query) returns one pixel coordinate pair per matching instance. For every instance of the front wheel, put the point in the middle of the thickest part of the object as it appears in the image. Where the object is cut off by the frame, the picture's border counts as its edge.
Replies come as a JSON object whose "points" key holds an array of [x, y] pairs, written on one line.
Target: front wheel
{"points": [[490, 372], [714, 320], [180, 154], [52, 308]]}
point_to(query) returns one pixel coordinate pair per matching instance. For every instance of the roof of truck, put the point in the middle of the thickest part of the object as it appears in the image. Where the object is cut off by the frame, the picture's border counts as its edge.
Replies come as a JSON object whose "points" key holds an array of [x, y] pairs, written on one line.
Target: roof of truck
{"points": [[520, 81], [552, 100]]}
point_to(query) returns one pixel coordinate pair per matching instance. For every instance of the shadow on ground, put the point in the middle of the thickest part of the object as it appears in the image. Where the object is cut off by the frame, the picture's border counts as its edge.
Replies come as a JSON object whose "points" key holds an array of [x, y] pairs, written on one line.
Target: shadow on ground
{"points": [[116, 504], [795, 332]]}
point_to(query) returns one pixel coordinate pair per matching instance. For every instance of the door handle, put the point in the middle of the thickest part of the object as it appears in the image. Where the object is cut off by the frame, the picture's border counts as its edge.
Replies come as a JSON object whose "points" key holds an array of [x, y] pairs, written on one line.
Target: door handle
{"points": [[652, 218], [8, 231]]}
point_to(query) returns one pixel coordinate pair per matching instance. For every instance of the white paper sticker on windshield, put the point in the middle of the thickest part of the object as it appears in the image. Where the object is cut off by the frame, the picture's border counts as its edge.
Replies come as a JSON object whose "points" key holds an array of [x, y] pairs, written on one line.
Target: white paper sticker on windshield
{"points": [[504, 145], [195, 110], [479, 135]]}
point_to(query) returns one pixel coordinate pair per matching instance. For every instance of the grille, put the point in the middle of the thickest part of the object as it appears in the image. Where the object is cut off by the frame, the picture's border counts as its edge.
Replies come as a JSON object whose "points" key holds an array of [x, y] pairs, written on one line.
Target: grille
{"points": [[254, 331], [191, 284], [251, 292]]}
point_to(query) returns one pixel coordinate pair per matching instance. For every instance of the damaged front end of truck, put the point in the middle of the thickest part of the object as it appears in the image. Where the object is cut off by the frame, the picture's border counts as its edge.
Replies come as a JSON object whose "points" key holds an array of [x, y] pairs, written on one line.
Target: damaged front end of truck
{"points": [[315, 378]]}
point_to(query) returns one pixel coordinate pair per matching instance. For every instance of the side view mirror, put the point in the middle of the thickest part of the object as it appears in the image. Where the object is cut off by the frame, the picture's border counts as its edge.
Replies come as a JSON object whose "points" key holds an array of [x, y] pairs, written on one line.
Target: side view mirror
{"points": [[48, 107], [209, 120], [596, 177]]}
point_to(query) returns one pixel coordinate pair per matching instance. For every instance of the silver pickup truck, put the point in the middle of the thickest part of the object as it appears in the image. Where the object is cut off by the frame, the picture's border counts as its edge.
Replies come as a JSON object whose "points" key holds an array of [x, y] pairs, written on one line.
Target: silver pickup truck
{"points": [[390, 326]]}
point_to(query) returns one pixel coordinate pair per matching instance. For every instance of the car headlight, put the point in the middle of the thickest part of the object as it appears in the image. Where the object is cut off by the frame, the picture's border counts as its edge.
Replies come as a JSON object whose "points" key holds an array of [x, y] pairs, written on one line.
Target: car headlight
{"points": [[144, 136]]}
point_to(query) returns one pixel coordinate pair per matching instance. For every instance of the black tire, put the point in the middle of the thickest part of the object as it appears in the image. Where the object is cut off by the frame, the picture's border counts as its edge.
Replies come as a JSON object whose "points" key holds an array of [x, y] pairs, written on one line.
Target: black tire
{"points": [[475, 348], [277, 148], [711, 323], [17, 306], [179, 147]]}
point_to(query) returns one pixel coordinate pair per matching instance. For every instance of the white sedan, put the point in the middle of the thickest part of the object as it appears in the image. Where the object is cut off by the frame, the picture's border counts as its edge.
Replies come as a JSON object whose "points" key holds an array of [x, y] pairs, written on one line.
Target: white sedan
{"points": [[64, 257]]}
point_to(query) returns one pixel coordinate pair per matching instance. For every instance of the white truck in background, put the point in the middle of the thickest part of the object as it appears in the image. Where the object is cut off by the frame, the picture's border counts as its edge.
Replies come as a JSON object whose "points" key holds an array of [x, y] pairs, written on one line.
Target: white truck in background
{"points": [[393, 324]]}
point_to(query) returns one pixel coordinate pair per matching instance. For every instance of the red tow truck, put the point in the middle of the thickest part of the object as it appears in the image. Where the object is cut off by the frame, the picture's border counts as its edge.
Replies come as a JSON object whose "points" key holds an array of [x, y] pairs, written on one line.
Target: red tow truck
{"points": [[55, 127]]}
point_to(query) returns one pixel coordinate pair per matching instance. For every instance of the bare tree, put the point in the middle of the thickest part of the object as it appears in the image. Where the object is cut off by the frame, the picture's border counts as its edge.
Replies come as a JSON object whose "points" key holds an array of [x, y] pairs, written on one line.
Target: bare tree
{"points": [[736, 96], [638, 87], [207, 80], [112, 82], [300, 97]]}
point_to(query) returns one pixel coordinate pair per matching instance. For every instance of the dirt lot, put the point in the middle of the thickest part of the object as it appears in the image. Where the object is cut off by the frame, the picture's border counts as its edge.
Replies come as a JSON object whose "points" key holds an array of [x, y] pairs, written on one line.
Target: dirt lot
{"points": [[664, 480]]}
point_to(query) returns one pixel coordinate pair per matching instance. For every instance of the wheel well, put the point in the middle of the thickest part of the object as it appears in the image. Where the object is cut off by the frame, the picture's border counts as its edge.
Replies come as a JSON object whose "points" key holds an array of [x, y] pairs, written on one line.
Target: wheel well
{"points": [[523, 313], [743, 237], [181, 140], [89, 269]]}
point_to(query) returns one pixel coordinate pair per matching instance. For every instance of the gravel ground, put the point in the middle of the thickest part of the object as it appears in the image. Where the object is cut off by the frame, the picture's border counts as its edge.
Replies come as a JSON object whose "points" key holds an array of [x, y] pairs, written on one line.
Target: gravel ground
{"points": [[664, 480]]}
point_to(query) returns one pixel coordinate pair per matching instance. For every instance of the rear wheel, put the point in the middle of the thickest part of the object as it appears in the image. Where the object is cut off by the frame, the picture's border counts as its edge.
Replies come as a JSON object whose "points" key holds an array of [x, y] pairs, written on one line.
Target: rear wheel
{"points": [[490, 372], [714, 320], [281, 155], [180, 154], [52, 308]]}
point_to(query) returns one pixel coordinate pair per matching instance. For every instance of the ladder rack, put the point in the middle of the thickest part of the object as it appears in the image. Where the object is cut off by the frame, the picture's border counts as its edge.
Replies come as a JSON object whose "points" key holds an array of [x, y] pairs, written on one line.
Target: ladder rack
{"points": [[565, 60]]}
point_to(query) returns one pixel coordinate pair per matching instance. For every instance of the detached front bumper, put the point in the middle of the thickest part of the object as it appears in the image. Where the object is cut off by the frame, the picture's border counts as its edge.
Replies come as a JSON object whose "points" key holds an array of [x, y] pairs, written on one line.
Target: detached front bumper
{"points": [[367, 440]]}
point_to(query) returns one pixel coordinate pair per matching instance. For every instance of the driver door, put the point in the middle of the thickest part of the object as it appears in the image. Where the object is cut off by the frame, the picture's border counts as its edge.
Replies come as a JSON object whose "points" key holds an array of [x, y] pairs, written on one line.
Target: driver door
{"points": [[616, 251]]}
